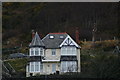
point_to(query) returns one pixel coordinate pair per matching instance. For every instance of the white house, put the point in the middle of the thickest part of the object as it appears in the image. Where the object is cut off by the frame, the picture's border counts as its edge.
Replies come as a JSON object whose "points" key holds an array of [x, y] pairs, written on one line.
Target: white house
{"points": [[55, 52]]}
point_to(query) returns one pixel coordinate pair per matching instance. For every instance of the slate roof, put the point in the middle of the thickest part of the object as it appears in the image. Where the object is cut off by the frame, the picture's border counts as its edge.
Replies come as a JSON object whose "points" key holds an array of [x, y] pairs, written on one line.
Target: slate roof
{"points": [[53, 42], [36, 41], [17, 55]]}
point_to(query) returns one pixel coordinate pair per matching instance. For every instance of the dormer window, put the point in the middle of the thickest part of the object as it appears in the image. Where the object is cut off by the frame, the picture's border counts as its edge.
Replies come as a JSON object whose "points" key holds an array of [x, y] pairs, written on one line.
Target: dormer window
{"points": [[61, 37], [51, 37]]}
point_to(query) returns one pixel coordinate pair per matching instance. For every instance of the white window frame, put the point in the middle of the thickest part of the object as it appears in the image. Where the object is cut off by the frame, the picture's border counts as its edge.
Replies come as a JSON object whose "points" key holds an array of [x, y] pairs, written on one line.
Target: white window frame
{"points": [[31, 66], [37, 50], [31, 50], [41, 51], [53, 51], [41, 69], [34, 65], [37, 66], [68, 51], [34, 50], [65, 65]]}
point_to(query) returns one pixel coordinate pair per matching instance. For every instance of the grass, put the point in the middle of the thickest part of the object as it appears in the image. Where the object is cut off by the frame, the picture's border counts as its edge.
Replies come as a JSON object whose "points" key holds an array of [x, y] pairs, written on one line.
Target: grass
{"points": [[99, 57], [18, 64]]}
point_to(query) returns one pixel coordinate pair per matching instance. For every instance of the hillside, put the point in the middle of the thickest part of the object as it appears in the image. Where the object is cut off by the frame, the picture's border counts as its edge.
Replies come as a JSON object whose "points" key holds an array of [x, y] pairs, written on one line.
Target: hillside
{"points": [[20, 18], [96, 62]]}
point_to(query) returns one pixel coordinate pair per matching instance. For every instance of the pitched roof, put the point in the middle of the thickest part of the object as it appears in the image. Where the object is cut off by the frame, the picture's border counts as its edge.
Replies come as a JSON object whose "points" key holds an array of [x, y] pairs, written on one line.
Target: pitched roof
{"points": [[55, 40], [36, 41]]}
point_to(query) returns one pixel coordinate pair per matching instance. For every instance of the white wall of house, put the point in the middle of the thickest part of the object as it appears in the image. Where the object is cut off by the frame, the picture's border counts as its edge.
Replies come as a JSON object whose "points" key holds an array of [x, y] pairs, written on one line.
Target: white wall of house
{"points": [[50, 68], [49, 55], [78, 58]]}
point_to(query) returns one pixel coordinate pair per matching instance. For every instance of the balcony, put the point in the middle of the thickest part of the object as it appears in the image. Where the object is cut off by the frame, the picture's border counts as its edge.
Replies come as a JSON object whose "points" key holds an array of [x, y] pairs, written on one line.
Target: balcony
{"points": [[68, 58]]}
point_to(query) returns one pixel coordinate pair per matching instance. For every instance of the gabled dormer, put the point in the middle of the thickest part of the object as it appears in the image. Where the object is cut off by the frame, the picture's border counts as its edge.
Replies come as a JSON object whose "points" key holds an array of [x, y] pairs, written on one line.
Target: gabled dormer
{"points": [[36, 46], [69, 42], [69, 47]]}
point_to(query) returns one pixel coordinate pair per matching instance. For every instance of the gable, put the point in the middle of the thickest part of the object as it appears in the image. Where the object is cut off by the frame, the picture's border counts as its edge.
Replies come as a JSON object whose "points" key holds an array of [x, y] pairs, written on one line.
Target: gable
{"points": [[69, 42]]}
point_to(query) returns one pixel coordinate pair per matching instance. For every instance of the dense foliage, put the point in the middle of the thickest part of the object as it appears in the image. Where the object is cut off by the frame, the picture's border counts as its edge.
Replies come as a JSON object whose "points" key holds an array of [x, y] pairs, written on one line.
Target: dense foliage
{"points": [[96, 62], [20, 18]]}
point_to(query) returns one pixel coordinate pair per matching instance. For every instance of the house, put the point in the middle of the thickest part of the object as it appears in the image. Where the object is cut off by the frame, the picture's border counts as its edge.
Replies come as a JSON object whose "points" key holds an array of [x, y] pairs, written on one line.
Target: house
{"points": [[56, 52]]}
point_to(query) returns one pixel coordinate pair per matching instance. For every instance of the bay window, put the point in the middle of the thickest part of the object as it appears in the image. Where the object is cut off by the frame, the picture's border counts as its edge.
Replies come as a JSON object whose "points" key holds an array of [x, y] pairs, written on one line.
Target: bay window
{"points": [[32, 52], [36, 51], [35, 67], [32, 66], [41, 51], [68, 66], [41, 67], [68, 50]]}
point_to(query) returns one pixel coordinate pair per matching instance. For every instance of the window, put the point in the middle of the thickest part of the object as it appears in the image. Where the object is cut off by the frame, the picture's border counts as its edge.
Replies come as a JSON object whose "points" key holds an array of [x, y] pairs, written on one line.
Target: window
{"points": [[36, 52], [68, 66], [51, 37], [68, 50], [53, 68], [61, 37], [41, 51], [32, 66], [36, 66], [53, 52], [32, 52], [41, 67]]}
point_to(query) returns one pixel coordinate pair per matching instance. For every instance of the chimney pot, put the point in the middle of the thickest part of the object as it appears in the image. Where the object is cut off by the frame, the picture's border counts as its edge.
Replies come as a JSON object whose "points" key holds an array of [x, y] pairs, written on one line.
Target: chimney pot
{"points": [[77, 35], [33, 33]]}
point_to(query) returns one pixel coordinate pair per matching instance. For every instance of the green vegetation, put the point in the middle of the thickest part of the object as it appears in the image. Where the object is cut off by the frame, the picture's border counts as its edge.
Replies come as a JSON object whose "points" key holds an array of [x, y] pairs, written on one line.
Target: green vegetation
{"points": [[19, 65], [97, 60], [100, 61], [100, 64], [18, 19]]}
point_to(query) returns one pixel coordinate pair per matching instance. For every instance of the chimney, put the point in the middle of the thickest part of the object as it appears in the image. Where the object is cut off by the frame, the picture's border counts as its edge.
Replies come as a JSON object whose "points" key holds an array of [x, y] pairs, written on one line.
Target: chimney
{"points": [[33, 33], [77, 35]]}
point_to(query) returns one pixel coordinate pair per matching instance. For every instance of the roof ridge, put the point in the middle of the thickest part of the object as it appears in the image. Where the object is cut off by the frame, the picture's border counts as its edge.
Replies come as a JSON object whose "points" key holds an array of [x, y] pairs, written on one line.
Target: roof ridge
{"points": [[59, 33]]}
